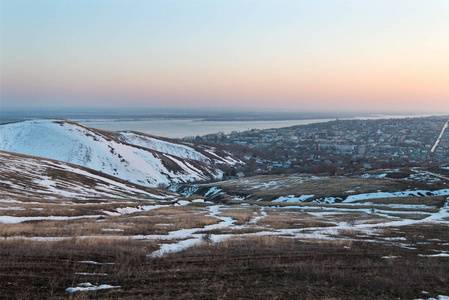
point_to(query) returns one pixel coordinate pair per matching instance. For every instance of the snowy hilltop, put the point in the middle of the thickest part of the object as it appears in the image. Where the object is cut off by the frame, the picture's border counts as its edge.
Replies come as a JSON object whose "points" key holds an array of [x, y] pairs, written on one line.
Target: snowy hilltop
{"points": [[138, 158]]}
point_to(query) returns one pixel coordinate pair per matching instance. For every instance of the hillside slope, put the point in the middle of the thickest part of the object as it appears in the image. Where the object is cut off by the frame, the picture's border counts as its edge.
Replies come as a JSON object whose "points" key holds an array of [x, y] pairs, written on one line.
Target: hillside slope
{"points": [[108, 152], [204, 153], [40, 178]]}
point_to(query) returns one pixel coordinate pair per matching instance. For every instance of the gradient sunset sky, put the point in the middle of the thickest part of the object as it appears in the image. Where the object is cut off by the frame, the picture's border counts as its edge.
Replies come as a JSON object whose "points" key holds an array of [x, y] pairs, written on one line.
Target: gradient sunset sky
{"points": [[311, 55]]}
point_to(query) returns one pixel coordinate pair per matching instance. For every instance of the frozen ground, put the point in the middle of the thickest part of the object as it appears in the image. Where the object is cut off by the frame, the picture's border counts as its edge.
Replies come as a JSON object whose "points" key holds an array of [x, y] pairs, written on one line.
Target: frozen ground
{"points": [[75, 197], [300, 221], [48, 203]]}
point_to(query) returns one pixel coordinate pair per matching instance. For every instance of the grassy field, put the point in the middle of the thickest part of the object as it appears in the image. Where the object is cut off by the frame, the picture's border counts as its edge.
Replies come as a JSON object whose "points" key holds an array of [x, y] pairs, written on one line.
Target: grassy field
{"points": [[264, 252], [268, 188], [190, 247], [256, 267]]}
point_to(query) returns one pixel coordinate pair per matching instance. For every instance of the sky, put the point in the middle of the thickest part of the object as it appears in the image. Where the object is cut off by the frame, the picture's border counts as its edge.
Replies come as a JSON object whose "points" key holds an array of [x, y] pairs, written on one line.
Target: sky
{"points": [[369, 55]]}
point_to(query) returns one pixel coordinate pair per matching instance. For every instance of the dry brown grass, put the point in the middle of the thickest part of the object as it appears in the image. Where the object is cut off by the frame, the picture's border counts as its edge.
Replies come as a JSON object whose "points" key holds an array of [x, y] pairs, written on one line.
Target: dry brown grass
{"points": [[385, 231], [351, 233], [264, 265], [273, 267], [288, 219], [50, 228], [70, 210], [139, 223], [22, 229], [311, 221], [169, 211], [231, 230], [411, 215], [345, 243], [279, 221], [437, 201], [270, 187]]}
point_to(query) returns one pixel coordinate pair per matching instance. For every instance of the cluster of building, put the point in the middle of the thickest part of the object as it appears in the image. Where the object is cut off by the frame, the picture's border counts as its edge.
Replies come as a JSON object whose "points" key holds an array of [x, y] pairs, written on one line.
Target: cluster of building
{"points": [[342, 145]]}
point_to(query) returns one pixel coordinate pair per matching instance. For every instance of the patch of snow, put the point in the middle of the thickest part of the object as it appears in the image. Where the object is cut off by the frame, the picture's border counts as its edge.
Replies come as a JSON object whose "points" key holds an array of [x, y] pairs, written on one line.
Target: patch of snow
{"points": [[182, 203], [293, 198], [12, 208], [213, 191], [177, 247], [440, 297], [434, 255], [164, 146], [374, 175], [192, 236], [258, 218], [199, 201], [91, 274], [130, 210], [87, 286], [91, 262], [416, 193], [16, 220]]}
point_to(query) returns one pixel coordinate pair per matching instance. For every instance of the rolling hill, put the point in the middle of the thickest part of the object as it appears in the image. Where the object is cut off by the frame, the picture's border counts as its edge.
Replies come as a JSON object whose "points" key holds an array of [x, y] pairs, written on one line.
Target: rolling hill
{"points": [[40, 179], [138, 158]]}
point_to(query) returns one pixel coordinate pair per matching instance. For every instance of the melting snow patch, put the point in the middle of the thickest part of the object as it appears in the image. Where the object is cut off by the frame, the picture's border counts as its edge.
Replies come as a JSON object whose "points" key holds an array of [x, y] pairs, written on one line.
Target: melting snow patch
{"points": [[177, 247], [212, 191], [435, 255], [192, 236], [374, 175], [131, 210], [94, 262], [87, 286], [91, 274], [328, 200], [16, 220], [12, 208], [292, 198], [182, 203], [417, 193], [13, 201], [201, 201]]}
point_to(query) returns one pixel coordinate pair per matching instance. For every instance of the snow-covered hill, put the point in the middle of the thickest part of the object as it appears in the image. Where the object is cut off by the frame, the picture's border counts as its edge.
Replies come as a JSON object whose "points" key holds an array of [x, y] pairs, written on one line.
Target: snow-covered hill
{"points": [[207, 154], [40, 178], [136, 158]]}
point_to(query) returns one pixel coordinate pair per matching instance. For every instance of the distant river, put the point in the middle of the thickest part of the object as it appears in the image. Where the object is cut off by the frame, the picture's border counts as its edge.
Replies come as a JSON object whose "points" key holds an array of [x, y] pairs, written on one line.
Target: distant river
{"points": [[179, 128]]}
